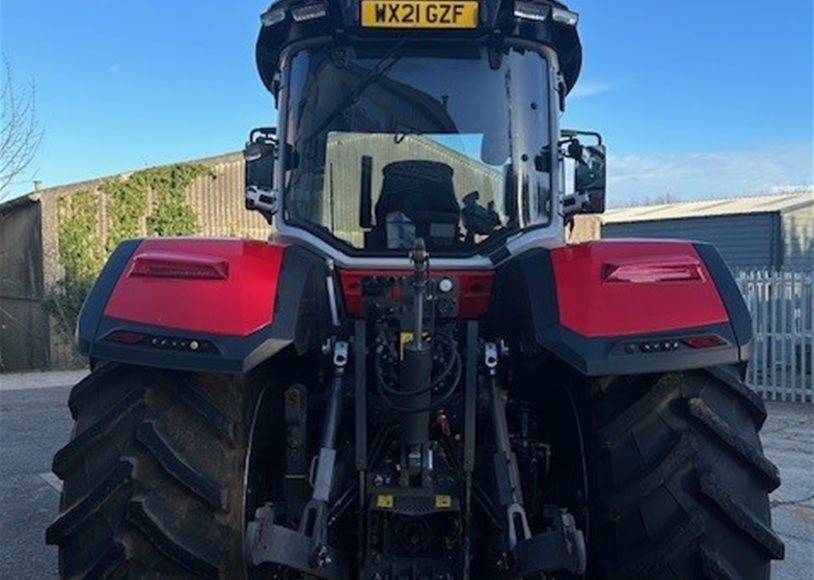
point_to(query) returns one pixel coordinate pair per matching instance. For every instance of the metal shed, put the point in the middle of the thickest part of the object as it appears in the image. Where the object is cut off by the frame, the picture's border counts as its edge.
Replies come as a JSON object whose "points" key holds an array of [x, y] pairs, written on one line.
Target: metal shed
{"points": [[766, 232], [30, 263]]}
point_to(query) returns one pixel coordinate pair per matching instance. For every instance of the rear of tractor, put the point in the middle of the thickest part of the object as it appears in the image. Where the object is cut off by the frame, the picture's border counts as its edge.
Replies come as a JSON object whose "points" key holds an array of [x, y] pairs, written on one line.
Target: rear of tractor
{"points": [[415, 378]]}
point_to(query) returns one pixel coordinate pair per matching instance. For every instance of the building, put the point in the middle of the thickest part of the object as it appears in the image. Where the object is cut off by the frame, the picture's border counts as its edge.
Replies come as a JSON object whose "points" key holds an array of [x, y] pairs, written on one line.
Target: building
{"points": [[767, 232], [31, 263]]}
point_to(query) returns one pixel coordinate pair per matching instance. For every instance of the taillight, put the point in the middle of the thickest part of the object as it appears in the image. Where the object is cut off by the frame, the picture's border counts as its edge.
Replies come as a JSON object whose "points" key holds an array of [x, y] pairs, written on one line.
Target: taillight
{"points": [[704, 341], [166, 265], [126, 337], [654, 270]]}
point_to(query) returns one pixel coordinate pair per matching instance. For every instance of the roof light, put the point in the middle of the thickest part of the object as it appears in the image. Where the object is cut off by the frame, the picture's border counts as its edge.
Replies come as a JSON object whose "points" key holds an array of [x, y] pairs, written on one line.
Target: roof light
{"points": [[654, 270], [272, 17], [167, 265], [531, 10], [564, 16], [309, 12]]}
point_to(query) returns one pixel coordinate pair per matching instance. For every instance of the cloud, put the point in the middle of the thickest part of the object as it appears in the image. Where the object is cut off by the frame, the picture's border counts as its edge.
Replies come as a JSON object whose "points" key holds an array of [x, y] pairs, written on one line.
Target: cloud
{"points": [[694, 176], [590, 88]]}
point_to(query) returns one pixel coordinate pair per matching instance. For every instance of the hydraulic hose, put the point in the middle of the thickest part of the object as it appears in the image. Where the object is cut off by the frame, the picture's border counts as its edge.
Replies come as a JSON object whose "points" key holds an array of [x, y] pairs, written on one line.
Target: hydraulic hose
{"points": [[381, 383]]}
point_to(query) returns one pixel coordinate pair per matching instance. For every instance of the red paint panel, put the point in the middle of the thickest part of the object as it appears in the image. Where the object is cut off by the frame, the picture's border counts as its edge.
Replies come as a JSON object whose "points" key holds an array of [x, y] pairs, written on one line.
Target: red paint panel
{"points": [[650, 298], [475, 288], [236, 304], [476, 291]]}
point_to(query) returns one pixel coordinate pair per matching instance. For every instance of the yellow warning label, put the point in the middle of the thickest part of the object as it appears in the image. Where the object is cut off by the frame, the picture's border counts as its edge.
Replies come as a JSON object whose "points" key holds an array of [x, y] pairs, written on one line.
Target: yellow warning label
{"points": [[384, 501], [443, 501], [404, 338]]}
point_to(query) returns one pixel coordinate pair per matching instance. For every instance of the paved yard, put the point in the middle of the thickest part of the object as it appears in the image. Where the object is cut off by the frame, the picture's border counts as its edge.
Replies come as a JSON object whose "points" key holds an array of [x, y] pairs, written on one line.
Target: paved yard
{"points": [[35, 422], [788, 439]]}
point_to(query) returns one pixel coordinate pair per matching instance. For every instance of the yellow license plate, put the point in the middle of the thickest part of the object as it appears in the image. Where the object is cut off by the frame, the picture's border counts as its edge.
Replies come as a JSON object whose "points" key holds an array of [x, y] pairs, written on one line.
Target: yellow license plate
{"points": [[419, 14]]}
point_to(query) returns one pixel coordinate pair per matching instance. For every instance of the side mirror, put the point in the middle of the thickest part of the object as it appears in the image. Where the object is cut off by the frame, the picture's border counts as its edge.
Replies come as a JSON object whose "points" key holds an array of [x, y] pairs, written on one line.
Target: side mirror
{"points": [[259, 156], [590, 176], [588, 183]]}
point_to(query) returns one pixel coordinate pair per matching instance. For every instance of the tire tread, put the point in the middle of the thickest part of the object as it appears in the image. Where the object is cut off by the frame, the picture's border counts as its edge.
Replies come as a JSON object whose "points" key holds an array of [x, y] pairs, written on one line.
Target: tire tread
{"points": [[762, 535], [658, 557], [693, 500], [223, 425], [152, 476], [159, 535], [69, 520], [179, 470], [67, 457], [702, 412], [678, 456]]}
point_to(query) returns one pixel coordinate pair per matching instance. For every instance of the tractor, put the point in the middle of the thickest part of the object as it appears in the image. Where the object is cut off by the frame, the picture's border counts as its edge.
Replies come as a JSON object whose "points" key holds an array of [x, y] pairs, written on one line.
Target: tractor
{"points": [[415, 377]]}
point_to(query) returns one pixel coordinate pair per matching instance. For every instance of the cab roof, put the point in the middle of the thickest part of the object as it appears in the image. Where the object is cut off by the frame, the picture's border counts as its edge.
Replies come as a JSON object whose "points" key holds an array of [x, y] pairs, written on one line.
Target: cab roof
{"points": [[546, 22]]}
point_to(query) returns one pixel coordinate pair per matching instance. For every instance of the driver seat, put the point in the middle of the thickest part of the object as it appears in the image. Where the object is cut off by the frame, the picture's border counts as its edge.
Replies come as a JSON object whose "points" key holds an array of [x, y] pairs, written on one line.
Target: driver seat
{"points": [[422, 192]]}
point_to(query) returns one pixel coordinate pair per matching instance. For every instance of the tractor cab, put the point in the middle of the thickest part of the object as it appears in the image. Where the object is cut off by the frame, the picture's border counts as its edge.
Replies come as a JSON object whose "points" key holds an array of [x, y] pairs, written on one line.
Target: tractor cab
{"points": [[401, 120]]}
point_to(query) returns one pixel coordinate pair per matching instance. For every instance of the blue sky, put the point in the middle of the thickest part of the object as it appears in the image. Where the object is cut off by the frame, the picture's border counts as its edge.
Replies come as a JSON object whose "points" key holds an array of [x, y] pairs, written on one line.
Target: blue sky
{"points": [[698, 100]]}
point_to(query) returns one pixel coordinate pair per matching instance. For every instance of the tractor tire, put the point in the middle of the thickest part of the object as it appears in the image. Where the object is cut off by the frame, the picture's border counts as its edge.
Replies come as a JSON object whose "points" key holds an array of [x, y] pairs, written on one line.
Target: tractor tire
{"points": [[153, 476], [681, 483]]}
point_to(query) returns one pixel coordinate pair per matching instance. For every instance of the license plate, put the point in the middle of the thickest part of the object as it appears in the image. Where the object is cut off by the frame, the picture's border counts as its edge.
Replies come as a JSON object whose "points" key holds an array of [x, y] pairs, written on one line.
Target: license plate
{"points": [[419, 14]]}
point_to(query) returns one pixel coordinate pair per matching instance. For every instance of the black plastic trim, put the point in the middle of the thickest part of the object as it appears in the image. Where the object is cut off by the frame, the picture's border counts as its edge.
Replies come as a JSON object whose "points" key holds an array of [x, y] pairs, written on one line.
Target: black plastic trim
{"points": [[94, 306], [730, 294], [231, 354], [524, 300], [604, 356]]}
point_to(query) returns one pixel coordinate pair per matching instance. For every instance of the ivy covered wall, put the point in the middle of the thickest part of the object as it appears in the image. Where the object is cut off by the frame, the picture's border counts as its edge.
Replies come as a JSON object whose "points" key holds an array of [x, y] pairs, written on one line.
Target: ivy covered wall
{"points": [[92, 222], [56, 240]]}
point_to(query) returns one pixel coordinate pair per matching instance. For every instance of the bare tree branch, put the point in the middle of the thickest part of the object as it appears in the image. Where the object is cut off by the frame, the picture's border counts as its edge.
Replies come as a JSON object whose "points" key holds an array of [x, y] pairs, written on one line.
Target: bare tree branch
{"points": [[20, 131]]}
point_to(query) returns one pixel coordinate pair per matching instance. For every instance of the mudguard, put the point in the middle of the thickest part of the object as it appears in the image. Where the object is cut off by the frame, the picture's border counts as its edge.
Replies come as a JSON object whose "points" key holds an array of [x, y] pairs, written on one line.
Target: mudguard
{"points": [[218, 305], [615, 307]]}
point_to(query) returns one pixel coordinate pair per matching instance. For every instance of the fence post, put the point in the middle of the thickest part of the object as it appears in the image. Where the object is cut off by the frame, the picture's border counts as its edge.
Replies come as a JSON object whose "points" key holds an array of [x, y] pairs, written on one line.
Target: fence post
{"points": [[781, 303]]}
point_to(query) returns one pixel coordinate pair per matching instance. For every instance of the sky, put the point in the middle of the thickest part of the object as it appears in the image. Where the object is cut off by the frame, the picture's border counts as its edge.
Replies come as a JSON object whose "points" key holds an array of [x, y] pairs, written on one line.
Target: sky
{"points": [[695, 100]]}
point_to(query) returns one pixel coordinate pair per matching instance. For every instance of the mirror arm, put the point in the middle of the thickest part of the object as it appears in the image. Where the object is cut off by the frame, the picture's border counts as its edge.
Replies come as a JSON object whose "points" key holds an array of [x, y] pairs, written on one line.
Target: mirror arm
{"points": [[262, 201], [577, 203], [562, 89], [571, 134]]}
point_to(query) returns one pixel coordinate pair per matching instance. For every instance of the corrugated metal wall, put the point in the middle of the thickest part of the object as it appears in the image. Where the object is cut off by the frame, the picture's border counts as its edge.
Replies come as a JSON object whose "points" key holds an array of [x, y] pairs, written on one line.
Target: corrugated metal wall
{"points": [[218, 201], [30, 266], [216, 198], [744, 241], [23, 321], [798, 239]]}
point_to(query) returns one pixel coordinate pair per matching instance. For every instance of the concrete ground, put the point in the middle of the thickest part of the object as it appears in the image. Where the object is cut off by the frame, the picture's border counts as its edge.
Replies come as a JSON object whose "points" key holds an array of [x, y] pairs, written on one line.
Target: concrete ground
{"points": [[788, 440], [35, 422]]}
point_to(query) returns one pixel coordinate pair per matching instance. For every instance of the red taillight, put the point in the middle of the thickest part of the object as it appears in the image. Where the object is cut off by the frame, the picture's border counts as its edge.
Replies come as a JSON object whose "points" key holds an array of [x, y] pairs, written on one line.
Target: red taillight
{"points": [[704, 341], [166, 265], [126, 337], [668, 269]]}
